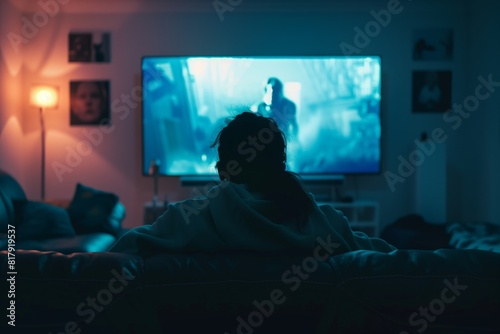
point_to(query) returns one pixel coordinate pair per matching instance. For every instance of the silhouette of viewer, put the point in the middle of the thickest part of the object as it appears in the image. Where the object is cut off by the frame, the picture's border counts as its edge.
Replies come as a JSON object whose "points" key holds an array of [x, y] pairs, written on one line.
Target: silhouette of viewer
{"points": [[258, 205]]}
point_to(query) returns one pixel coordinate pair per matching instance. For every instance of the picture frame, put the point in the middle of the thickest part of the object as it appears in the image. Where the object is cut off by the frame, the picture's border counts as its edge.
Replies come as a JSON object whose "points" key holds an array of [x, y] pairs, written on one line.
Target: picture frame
{"points": [[101, 47], [80, 47], [433, 44], [90, 103], [89, 47]]}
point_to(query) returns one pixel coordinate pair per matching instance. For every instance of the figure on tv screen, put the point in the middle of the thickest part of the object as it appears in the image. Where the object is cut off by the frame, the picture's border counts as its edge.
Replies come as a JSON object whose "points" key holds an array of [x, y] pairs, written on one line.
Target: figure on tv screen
{"points": [[89, 102], [279, 108], [259, 205]]}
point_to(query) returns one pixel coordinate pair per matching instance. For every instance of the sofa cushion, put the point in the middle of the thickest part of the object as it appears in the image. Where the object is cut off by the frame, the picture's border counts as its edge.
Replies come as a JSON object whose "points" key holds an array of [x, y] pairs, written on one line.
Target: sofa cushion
{"points": [[92, 211], [40, 221], [9, 190], [413, 232], [475, 235]]}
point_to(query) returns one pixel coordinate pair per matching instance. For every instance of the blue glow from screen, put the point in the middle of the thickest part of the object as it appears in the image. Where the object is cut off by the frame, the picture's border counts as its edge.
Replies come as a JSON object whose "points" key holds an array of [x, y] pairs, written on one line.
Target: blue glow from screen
{"points": [[332, 125]]}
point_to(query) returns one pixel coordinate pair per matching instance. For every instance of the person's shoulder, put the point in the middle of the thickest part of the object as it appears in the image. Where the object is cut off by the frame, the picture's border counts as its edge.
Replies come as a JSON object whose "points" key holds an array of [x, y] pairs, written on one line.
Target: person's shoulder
{"points": [[210, 191], [329, 210], [288, 103]]}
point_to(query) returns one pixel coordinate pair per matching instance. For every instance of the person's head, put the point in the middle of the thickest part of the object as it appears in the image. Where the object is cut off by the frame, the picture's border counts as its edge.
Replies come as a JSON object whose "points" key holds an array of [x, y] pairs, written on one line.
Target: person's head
{"points": [[254, 144], [252, 151], [273, 90], [88, 101]]}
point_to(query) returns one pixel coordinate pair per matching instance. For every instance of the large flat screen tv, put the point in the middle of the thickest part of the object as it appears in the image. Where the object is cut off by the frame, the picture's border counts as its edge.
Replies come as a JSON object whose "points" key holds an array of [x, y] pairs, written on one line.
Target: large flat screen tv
{"points": [[332, 121]]}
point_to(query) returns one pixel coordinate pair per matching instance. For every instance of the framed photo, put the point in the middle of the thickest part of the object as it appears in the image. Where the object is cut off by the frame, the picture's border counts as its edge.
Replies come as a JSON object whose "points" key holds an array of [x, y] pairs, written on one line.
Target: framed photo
{"points": [[89, 103], [431, 91], [433, 44], [101, 47], [80, 47], [89, 47]]}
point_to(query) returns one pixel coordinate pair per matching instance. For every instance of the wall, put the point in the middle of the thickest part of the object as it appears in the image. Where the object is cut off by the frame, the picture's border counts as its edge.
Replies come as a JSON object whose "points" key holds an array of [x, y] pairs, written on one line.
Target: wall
{"points": [[12, 140], [482, 135], [315, 28]]}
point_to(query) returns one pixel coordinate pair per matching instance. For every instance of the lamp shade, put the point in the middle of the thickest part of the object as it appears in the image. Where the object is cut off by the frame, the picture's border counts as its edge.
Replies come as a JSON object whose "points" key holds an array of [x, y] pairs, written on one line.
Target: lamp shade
{"points": [[43, 96]]}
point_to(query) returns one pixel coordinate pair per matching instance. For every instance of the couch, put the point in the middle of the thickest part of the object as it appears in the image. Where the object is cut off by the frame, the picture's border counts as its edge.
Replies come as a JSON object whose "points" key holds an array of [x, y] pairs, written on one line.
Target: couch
{"points": [[91, 222], [405, 291], [65, 285]]}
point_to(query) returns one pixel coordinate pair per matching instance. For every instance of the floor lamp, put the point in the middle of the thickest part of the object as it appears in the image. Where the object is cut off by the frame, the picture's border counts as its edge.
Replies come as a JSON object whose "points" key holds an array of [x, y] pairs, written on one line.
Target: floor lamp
{"points": [[43, 97]]}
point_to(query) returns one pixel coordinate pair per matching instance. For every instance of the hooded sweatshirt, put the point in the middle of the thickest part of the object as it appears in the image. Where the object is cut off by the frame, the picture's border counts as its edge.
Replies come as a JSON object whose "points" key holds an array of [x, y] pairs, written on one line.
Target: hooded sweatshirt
{"points": [[230, 217]]}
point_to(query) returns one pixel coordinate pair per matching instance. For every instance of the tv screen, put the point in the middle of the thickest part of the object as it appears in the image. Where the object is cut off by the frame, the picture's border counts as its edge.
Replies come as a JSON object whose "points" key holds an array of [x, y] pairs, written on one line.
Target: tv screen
{"points": [[328, 108]]}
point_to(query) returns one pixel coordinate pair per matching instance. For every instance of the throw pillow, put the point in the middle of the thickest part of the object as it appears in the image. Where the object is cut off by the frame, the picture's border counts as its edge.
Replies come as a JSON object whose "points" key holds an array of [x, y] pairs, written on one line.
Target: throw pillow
{"points": [[40, 221], [93, 211]]}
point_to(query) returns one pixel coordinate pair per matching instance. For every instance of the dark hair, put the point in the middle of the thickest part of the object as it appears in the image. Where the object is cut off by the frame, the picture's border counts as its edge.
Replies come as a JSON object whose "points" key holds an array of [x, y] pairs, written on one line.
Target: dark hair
{"points": [[252, 150]]}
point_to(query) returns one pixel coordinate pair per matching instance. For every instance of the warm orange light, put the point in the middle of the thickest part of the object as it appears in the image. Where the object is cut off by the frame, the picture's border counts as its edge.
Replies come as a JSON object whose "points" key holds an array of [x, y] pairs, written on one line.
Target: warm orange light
{"points": [[44, 97]]}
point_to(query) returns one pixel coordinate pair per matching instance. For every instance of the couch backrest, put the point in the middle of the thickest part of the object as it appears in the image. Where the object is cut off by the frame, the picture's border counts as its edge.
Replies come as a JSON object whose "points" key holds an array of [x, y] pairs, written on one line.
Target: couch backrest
{"points": [[9, 190], [356, 292]]}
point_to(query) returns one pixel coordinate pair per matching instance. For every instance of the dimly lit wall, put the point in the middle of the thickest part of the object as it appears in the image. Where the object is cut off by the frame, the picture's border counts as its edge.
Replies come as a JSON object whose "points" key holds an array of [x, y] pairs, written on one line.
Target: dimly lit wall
{"points": [[152, 27], [12, 139], [480, 142]]}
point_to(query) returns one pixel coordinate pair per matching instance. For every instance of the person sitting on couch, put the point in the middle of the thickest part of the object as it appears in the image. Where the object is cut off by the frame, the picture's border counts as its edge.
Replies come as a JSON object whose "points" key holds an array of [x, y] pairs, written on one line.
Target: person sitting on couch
{"points": [[258, 205]]}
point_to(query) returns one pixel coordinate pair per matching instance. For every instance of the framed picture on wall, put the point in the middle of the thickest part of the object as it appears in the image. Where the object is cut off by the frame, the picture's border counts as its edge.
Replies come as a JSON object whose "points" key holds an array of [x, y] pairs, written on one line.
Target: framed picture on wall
{"points": [[80, 47], [101, 47], [433, 44], [89, 47], [89, 103], [431, 91]]}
